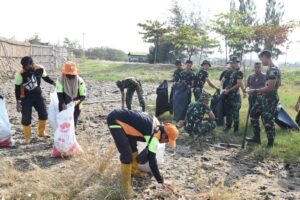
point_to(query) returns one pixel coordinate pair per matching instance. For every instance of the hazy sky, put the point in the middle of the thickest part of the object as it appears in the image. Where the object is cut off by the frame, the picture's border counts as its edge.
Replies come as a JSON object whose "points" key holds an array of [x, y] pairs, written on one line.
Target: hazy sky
{"points": [[110, 23]]}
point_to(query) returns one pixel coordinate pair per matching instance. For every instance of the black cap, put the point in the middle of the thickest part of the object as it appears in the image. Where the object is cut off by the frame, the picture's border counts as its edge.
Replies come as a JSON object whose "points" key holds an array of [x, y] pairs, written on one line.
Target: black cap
{"points": [[206, 62], [189, 62], [178, 62]]}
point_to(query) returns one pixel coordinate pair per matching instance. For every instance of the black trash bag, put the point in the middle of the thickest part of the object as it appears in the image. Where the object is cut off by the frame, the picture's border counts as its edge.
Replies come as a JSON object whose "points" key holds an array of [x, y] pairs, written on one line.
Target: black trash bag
{"points": [[283, 120], [216, 106], [181, 100], [162, 99], [171, 100]]}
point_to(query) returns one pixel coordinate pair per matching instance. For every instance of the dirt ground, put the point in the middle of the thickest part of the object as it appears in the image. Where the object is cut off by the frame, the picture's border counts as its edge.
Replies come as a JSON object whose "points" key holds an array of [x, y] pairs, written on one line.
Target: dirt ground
{"points": [[195, 169]]}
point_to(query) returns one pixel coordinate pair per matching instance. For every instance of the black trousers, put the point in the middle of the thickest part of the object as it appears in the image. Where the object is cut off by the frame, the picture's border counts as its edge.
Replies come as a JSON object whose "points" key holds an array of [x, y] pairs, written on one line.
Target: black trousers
{"points": [[36, 101], [77, 112]]}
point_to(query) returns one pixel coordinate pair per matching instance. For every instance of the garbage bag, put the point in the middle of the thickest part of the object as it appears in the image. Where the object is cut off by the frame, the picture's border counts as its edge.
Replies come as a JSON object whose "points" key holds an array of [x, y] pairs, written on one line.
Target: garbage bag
{"points": [[162, 99], [283, 119], [181, 100], [53, 110], [5, 127], [160, 153], [65, 143], [217, 108]]}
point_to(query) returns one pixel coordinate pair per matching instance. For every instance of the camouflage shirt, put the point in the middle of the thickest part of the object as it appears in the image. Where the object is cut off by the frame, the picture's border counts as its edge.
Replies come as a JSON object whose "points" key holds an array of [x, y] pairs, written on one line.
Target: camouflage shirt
{"points": [[227, 76], [200, 78], [273, 73], [176, 75], [196, 112], [235, 76], [131, 83], [187, 77]]}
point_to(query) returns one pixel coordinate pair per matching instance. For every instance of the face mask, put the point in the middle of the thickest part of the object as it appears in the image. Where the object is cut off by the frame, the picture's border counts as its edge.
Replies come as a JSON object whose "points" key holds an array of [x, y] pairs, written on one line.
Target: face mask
{"points": [[70, 76]]}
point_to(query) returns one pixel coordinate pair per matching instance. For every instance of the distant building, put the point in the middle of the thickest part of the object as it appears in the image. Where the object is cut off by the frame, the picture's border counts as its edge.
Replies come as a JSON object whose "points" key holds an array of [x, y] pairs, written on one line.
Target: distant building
{"points": [[138, 57]]}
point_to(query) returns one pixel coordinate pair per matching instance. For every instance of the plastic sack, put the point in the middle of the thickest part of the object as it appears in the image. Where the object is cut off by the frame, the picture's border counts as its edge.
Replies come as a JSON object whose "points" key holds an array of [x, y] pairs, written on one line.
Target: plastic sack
{"points": [[5, 128], [65, 143], [53, 110], [160, 153], [180, 101]]}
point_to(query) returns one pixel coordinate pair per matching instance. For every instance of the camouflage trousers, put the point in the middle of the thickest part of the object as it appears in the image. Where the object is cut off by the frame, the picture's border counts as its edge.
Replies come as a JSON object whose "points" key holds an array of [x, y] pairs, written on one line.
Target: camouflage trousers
{"points": [[200, 128], [265, 106], [197, 93], [233, 104], [129, 97]]}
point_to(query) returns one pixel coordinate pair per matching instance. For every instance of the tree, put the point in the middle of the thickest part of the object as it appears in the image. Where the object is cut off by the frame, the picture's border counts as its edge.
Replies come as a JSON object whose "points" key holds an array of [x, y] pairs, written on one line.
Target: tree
{"points": [[106, 53], [153, 31], [74, 47], [178, 16], [206, 44], [274, 12], [35, 39]]}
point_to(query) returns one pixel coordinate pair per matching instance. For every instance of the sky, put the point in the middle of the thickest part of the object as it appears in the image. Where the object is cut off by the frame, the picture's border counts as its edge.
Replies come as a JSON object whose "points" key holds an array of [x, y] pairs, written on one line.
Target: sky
{"points": [[111, 23]]}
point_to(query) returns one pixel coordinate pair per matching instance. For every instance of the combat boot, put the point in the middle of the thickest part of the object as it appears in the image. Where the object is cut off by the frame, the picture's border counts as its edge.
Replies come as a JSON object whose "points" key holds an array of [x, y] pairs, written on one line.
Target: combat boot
{"points": [[255, 139], [270, 143]]}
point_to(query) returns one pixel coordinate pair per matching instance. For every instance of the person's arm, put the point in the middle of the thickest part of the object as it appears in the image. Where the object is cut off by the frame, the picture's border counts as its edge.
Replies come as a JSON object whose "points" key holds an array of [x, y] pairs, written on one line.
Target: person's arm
{"points": [[18, 85], [46, 78], [268, 88], [297, 106], [211, 84], [154, 167], [1, 97], [238, 84], [82, 93], [222, 83]]}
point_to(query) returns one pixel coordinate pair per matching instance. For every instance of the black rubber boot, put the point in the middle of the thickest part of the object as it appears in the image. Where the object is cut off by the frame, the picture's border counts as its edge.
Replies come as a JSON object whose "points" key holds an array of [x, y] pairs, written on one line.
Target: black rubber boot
{"points": [[270, 143], [255, 139]]}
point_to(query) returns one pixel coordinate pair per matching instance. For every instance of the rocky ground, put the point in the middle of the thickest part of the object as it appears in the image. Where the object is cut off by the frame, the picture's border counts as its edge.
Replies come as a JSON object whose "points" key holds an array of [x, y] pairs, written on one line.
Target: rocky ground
{"points": [[196, 169]]}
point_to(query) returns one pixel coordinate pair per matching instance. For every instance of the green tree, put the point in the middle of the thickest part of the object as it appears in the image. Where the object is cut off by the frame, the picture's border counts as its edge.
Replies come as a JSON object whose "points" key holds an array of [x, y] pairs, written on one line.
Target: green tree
{"points": [[35, 39], [206, 44], [153, 31]]}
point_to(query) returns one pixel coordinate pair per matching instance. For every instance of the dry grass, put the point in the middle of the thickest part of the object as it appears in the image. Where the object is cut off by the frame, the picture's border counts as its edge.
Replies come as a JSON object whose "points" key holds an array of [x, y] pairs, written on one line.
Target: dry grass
{"points": [[92, 175]]}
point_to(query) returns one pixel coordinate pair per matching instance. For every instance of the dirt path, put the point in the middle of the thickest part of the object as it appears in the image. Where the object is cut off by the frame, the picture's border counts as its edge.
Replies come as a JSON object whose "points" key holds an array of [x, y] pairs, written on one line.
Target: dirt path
{"points": [[196, 170]]}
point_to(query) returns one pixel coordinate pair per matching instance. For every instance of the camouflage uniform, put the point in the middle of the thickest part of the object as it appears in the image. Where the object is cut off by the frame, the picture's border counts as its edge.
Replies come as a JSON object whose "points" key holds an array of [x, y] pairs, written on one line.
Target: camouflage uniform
{"points": [[132, 85], [226, 76], [187, 77], [233, 100], [176, 75], [199, 82], [266, 105], [194, 119]]}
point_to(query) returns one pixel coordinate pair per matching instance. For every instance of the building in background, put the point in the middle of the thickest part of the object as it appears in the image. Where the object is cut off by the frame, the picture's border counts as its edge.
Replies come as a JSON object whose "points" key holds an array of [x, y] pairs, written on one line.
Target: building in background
{"points": [[138, 57]]}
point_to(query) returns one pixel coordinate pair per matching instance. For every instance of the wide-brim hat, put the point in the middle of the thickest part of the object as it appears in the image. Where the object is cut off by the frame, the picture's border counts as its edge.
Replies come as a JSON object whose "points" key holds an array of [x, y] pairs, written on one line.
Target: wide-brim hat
{"points": [[206, 62], [234, 59], [70, 68]]}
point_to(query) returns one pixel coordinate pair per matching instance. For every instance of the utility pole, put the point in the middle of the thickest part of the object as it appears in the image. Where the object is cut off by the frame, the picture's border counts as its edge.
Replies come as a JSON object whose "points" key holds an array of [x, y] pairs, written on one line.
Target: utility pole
{"points": [[83, 41]]}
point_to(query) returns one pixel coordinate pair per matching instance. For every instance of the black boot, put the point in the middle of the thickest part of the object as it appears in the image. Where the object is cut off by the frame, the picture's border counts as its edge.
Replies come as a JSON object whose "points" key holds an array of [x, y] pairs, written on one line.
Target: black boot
{"points": [[270, 143], [254, 139]]}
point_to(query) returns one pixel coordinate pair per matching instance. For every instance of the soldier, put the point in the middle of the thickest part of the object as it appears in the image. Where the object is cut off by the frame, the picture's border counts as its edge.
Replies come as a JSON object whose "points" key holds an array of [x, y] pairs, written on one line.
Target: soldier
{"points": [[132, 85], [266, 105], [29, 94], [255, 81], [201, 78], [195, 121], [175, 79], [233, 98], [187, 77]]}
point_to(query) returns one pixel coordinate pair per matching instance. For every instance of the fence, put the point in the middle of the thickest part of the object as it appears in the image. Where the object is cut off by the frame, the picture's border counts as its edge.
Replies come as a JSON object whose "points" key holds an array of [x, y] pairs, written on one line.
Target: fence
{"points": [[12, 51]]}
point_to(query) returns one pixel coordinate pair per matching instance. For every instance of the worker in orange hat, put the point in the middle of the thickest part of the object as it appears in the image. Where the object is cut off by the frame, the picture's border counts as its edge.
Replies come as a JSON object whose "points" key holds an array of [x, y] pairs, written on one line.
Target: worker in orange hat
{"points": [[71, 87], [129, 126]]}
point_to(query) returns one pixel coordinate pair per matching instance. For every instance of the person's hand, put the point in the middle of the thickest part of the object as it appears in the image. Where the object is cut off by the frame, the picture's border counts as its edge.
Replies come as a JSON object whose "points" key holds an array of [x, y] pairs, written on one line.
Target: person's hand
{"points": [[244, 93], [19, 106], [54, 84], [1, 97], [77, 102], [168, 187], [226, 91], [64, 106], [251, 91]]}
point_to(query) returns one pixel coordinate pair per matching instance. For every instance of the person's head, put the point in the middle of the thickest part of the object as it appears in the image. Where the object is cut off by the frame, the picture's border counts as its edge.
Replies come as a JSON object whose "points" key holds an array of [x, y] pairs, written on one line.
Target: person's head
{"points": [[27, 63], [234, 63], [205, 98], [168, 134], [189, 64], [178, 64], [70, 70], [206, 65], [120, 84], [265, 57], [257, 67]]}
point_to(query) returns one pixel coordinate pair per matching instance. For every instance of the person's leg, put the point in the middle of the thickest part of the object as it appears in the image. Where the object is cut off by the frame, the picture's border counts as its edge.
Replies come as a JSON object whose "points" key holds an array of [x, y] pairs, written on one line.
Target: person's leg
{"points": [[268, 115], [40, 107], [129, 96], [77, 112], [26, 118], [141, 99], [255, 113]]}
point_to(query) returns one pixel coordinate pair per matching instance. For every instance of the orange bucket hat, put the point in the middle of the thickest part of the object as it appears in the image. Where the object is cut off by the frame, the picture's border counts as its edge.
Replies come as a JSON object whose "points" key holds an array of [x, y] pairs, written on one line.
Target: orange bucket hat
{"points": [[70, 68], [172, 133]]}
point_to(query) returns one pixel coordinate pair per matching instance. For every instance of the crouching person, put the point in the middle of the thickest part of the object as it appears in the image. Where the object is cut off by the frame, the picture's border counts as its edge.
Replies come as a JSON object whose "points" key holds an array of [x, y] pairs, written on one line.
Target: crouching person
{"points": [[127, 127], [29, 94], [71, 87], [195, 122]]}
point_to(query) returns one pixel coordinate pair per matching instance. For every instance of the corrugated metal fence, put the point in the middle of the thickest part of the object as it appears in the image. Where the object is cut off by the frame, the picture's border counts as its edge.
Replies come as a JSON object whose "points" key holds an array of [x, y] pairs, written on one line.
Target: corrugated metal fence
{"points": [[11, 52]]}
